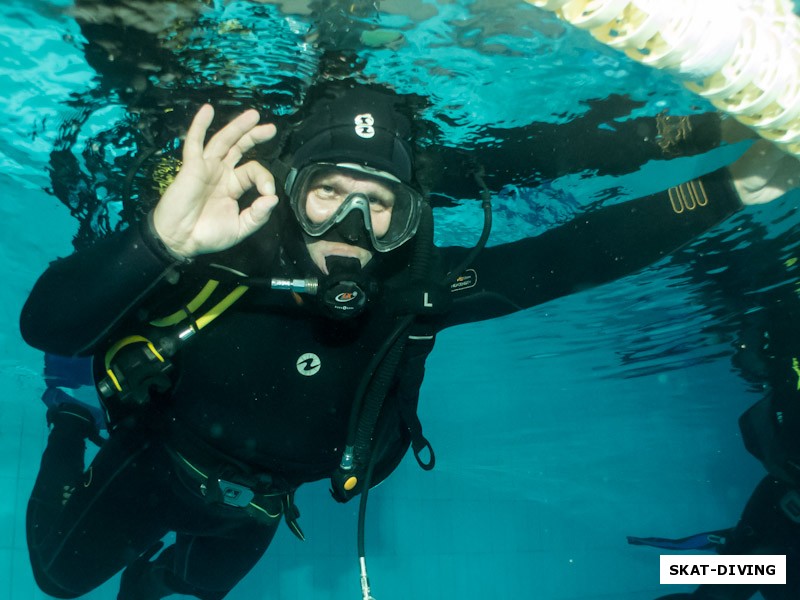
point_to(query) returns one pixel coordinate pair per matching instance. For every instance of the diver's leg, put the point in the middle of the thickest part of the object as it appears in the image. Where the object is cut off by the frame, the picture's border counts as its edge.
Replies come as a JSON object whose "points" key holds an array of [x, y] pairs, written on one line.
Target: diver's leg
{"points": [[212, 566], [764, 528], [204, 566], [83, 527], [61, 470]]}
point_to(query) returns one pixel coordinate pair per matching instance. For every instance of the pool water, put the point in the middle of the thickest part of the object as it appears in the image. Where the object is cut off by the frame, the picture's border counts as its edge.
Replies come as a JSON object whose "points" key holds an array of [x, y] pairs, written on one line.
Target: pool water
{"points": [[558, 430]]}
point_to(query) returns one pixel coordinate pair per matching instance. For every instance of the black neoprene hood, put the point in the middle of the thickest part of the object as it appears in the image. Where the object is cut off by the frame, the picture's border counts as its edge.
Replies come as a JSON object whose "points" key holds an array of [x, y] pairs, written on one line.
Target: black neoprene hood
{"points": [[355, 125]]}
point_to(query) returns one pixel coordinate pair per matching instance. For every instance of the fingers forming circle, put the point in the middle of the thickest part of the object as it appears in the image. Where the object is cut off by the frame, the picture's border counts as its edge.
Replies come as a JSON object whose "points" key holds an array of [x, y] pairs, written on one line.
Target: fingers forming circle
{"points": [[253, 173]]}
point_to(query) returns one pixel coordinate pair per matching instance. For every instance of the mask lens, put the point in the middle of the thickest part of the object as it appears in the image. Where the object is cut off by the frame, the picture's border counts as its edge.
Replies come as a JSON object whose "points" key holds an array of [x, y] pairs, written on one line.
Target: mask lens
{"points": [[323, 195]]}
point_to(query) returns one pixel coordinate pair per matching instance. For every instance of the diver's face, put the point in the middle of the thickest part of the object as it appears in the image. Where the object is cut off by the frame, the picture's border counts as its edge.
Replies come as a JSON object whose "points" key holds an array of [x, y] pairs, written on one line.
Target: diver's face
{"points": [[326, 193]]}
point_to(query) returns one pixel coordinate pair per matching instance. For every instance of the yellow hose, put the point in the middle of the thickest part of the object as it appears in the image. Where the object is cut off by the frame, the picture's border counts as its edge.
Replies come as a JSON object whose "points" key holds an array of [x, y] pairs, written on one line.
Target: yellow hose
{"points": [[191, 307], [221, 306]]}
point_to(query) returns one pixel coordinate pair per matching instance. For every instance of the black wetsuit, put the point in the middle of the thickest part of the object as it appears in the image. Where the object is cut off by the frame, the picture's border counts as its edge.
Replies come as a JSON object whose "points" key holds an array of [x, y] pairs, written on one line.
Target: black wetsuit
{"points": [[249, 389]]}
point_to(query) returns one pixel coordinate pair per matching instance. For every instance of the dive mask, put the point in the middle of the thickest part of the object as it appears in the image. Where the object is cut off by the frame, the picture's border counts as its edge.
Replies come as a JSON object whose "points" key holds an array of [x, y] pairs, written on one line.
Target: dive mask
{"points": [[323, 195]]}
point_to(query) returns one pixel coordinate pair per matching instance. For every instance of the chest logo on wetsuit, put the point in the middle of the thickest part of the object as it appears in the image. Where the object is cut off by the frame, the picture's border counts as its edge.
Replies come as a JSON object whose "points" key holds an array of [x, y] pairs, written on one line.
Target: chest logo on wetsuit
{"points": [[308, 364], [468, 279]]}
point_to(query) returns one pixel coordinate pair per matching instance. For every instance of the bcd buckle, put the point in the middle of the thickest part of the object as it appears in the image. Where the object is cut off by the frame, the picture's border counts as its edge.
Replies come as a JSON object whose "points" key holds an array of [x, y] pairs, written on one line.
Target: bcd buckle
{"points": [[234, 494]]}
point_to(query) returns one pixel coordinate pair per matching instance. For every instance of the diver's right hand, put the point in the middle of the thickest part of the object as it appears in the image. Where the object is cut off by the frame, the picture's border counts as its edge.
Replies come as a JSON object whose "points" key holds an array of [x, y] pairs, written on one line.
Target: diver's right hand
{"points": [[199, 212]]}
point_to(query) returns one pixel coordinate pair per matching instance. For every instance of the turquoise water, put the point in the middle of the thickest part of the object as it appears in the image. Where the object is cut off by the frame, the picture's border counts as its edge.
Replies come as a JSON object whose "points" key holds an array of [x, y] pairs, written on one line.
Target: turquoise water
{"points": [[559, 430]]}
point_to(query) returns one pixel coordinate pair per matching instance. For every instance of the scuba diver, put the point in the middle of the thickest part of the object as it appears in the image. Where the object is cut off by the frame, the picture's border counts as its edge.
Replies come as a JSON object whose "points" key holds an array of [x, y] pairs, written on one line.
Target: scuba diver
{"points": [[755, 303], [267, 326]]}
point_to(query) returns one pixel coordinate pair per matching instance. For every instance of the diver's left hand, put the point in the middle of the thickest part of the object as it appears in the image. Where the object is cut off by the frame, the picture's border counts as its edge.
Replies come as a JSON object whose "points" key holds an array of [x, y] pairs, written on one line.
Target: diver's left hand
{"points": [[764, 173]]}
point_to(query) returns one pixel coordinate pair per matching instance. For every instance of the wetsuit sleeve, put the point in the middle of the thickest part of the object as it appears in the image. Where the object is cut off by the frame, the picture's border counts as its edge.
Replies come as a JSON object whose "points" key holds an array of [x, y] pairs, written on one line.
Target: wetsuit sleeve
{"points": [[599, 141], [80, 299], [596, 248]]}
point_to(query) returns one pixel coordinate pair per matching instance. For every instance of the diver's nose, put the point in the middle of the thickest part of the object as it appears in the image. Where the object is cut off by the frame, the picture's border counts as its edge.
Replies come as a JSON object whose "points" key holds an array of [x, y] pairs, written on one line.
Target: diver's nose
{"points": [[352, 229]]}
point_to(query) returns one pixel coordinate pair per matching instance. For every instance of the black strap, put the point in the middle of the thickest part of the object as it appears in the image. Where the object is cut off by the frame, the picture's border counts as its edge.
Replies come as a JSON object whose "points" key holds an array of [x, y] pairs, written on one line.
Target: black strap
{"points": [[419, 443], [421, 340], [291, 513]]}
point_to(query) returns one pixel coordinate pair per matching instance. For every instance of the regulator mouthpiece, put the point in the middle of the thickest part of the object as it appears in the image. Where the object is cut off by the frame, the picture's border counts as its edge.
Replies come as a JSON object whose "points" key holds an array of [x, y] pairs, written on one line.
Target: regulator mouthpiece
{"points": [[342, 292]]}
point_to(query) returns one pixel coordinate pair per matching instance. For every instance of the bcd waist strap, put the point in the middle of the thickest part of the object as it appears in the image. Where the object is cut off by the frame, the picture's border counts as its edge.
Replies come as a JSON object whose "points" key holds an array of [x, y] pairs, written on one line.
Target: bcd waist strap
{"points": [[222, 479]]}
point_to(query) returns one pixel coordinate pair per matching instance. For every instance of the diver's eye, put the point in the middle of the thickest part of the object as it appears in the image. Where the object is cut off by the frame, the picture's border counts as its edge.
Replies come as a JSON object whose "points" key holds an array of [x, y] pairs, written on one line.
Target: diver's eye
{"points": [[380, 202]]}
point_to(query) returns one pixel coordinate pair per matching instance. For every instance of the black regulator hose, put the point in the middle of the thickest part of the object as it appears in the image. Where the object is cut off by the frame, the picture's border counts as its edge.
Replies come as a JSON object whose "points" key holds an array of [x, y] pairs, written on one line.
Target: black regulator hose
{"points": [[486, 205], [423, 249], [383, 367], [362, 517], [380, 373]]}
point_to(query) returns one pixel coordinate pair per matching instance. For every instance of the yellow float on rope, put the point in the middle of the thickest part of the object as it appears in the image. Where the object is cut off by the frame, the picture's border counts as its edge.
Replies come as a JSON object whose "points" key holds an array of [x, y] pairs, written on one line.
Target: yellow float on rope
{"points": [[741, 55]]}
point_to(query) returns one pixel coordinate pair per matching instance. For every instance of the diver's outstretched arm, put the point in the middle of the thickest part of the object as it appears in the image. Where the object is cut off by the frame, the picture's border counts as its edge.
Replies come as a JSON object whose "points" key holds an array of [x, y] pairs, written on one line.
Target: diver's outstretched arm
{"points": [[618, 240]]}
